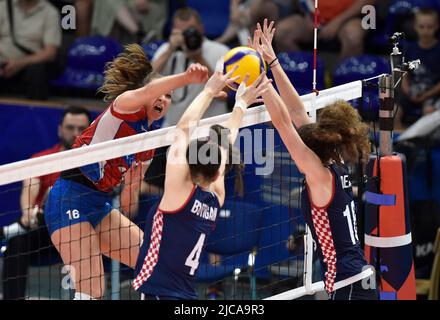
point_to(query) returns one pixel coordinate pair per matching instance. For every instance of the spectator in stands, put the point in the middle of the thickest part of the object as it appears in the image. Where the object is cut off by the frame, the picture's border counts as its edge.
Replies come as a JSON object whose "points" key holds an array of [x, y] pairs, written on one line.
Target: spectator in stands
{"points": [[188, 44], [29, 236], [27, 50], [421, 88], [244, 16], [339, 20], [130, 21], [84, 10]]}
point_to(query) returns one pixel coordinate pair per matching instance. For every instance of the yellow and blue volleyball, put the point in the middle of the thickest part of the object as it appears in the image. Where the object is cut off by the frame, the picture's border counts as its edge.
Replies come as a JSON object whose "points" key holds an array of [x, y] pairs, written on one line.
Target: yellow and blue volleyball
{"points": [[249, 61]]}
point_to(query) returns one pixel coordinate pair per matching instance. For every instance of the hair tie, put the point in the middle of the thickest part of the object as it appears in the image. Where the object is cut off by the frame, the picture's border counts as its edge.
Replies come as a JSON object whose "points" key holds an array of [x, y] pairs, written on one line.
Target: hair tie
{"points": [[272, 62]]}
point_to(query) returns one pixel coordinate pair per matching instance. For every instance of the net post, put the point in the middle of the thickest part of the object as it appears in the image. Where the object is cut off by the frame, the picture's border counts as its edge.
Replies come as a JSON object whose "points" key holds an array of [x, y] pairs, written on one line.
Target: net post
{"points": [[386, 114]]}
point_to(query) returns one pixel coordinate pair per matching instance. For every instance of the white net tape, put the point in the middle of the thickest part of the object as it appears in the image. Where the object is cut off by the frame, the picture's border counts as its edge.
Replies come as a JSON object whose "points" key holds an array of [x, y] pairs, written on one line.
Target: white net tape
{"points": [[58, 162], [21, 170]]}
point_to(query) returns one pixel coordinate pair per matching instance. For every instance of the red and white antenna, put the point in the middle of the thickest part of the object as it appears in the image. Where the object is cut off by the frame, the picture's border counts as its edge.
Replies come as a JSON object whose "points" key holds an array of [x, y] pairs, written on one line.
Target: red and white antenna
{"points": [[315, 47]]}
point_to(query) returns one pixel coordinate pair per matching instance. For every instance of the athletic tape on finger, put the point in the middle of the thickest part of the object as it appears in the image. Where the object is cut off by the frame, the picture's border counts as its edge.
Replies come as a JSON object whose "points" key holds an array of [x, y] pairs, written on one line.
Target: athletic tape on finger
{"points": [[219, 66], [239, 102]]}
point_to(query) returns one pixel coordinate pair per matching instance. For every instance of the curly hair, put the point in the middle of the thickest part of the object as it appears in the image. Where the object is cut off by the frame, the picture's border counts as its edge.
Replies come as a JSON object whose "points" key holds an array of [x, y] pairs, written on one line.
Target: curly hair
{"points": [[130, 70], [339, 135]]}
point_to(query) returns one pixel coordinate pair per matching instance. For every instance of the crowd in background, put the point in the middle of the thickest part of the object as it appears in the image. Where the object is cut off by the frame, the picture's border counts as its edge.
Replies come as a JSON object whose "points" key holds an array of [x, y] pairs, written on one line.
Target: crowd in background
{"points": [[33, 45]]}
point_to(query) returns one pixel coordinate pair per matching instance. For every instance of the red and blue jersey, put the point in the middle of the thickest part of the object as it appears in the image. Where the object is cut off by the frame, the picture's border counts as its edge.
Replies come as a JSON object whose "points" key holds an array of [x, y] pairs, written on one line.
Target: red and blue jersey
{"points": [[111, 125], [334, 230], [173, 242]]}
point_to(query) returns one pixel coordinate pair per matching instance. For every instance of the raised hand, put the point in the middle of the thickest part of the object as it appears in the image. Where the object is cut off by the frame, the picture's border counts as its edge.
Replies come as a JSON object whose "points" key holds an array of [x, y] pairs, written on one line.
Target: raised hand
{"points": [[249, 95], [219, 80], [266, 41], [262, 41], [197, 73]]}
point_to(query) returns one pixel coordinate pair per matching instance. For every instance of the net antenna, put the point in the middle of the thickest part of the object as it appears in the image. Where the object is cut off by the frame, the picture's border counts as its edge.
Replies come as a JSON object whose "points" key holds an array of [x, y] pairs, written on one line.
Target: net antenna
{"points": [[308, 240]]}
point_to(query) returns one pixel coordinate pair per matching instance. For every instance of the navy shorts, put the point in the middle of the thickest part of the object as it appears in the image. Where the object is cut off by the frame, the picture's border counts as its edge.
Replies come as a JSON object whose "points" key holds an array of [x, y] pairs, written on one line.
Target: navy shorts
{"points": [[70, 203], [355, 291]]}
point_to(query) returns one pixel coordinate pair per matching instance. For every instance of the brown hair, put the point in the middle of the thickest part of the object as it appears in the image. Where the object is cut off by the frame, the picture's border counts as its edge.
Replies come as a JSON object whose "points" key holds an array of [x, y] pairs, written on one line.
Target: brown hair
{"points": [[129, 71], [427, 12], [339, 133], [208, 168], [187, 13], [234, 158]]}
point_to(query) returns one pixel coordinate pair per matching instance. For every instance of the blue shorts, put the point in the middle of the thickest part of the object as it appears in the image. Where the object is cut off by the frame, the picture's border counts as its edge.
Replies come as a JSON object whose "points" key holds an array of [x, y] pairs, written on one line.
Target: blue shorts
{"points": [[70, 203]]}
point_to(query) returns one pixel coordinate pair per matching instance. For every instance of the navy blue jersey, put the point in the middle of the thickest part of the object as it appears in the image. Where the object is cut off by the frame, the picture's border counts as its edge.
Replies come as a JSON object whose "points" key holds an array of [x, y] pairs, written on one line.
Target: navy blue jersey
{"points": [[173, 242], [334, 230]]}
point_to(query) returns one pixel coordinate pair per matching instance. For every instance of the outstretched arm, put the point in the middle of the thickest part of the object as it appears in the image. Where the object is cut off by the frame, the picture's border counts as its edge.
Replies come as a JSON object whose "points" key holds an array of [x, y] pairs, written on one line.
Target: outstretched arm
{"points": [[244, 98], [177, 169], [262, 42], [132, 100], [306, 160]]}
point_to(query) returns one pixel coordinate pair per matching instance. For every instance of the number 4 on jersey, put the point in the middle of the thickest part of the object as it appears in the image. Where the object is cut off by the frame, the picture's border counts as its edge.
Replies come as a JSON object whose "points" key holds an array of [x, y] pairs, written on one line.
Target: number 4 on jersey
{"points": [[193, 258]]}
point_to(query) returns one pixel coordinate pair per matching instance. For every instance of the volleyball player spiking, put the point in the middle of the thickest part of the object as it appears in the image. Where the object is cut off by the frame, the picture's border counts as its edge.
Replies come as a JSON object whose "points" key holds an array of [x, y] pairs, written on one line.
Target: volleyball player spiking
{"points": [[82, 222]]}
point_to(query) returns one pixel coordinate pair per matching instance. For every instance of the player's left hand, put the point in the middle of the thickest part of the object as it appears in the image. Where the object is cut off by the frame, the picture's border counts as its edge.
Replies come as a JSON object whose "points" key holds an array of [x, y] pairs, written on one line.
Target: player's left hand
{"points": [[197, 73], [250, 95], [219, 80]]}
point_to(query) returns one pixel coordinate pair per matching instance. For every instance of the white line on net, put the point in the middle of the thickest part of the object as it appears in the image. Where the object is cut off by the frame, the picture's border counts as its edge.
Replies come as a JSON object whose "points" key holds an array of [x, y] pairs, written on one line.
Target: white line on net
{"points": [[18, 171]]}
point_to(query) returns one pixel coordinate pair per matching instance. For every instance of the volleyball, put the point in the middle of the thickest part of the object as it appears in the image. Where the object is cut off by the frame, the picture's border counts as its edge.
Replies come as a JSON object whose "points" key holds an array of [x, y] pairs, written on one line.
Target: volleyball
{"points": [[249, 61]]}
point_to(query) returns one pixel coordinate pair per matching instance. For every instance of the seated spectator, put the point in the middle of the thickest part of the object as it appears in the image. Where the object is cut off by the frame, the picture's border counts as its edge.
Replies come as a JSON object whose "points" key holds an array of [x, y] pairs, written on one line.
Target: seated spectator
{"points": [[188, 44], [421, 88], [339, 20], [29, 236], [28, 49], [130, 21], [244, 17], [84, 10]]}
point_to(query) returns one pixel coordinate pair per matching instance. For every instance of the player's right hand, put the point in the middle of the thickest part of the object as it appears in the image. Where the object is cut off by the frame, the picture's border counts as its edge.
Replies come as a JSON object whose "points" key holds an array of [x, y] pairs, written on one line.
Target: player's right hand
{"points": [[262, 41], [219, 80], [197, 73]]}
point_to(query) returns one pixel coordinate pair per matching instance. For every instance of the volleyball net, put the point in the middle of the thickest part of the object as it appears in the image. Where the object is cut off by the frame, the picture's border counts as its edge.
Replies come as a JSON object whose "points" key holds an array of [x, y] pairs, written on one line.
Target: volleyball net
{"points": [[260, 249]]}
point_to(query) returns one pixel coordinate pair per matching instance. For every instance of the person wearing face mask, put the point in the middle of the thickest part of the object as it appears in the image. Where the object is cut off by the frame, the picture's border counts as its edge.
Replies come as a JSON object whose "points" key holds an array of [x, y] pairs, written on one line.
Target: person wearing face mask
{"points": [[187, 44], [28, 236], [30, 35]]}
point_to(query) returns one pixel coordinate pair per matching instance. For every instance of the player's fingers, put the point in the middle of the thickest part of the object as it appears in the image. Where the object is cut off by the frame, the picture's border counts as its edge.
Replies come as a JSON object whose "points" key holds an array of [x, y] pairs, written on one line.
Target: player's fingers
{"points": [[250, 44], [257, 36], [259, 79], [269, 29], [246, 78], [219, 66], [232, 80], [222, 95], [229, 74], [260, 100], [272, 33], [265, 83], [265, 25]]}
